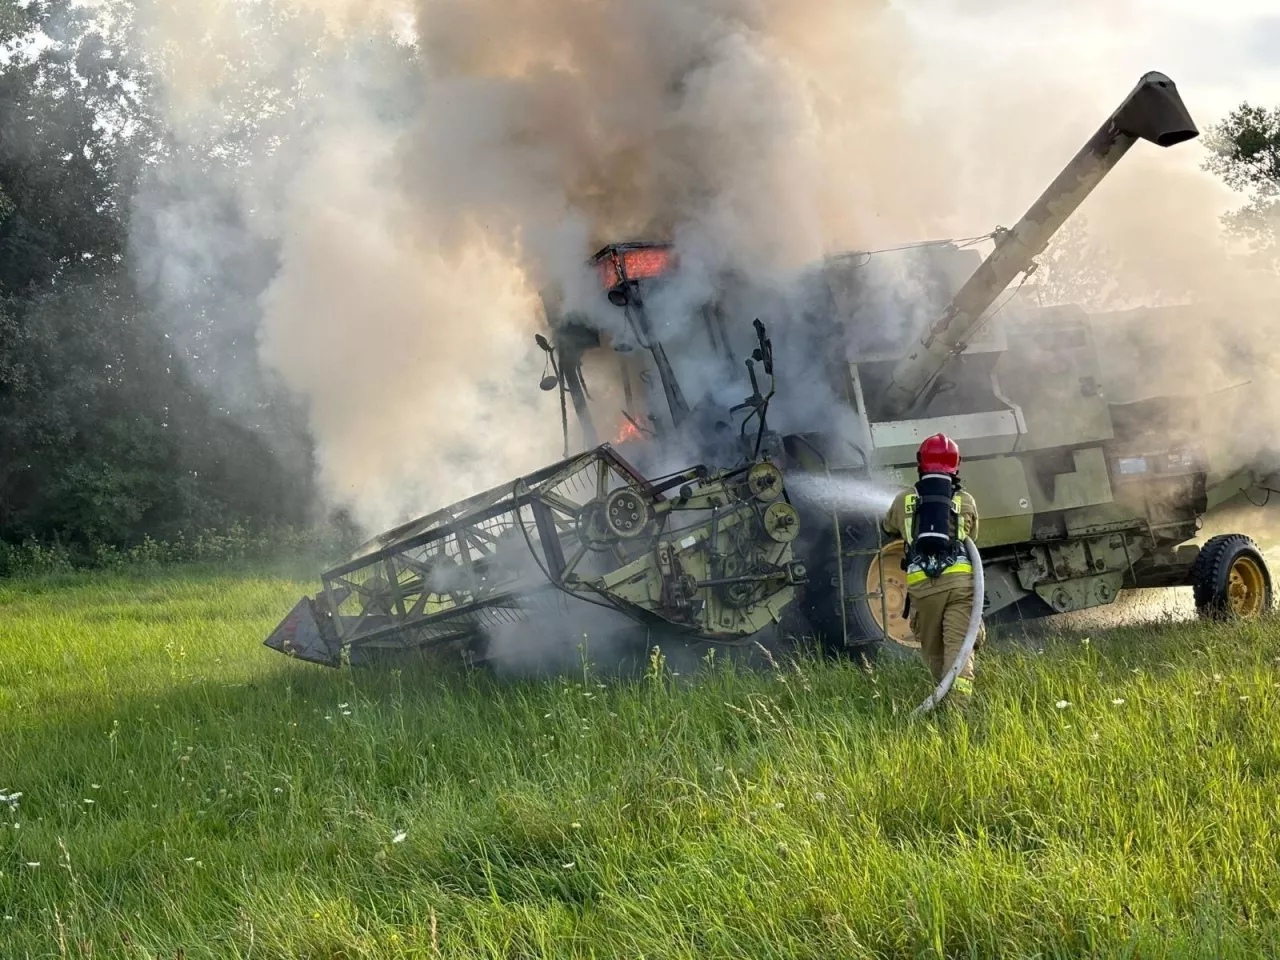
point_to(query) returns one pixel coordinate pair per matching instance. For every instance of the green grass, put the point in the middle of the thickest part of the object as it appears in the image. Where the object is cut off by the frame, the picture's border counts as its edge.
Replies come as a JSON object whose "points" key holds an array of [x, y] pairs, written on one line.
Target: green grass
{"points": [[247, 806]]}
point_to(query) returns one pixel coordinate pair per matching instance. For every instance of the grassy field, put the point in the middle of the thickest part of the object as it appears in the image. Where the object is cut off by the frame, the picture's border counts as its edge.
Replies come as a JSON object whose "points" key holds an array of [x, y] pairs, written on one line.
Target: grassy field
{"points": [[187, 793]]}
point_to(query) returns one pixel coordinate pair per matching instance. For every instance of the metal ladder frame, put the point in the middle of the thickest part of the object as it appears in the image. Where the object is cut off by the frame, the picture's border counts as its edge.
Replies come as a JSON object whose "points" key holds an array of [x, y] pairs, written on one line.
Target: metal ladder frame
{"points": [[859, 405]]}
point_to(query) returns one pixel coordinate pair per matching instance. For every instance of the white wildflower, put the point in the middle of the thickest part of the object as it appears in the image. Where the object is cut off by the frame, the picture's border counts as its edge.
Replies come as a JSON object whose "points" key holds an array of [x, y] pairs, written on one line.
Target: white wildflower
{"points": [[1217, 677], [400, 837], [346, 713], [569, 866], [95, 786], [576, 825], [189, 859], [87, 800], [277, 790], [33, 863], [778, 805], [1084, 642], [819, 796], [1062, 704], [343, 706], [1117, 701]]}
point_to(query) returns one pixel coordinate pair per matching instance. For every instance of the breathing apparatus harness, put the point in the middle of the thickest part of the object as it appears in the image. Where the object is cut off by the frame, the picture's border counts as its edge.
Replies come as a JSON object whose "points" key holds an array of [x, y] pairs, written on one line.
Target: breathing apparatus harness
{"points": [[931, 548]]}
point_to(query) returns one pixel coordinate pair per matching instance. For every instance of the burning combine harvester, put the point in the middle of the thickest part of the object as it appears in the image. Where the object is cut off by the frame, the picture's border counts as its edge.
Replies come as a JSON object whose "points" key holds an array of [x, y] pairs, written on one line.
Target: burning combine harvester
{"points": [[1080, 498]]}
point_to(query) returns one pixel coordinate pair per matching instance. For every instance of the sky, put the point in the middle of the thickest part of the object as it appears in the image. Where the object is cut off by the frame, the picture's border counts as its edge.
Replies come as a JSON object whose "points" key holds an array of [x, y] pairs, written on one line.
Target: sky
{"points": [[1220, 52], [1069, 62]]}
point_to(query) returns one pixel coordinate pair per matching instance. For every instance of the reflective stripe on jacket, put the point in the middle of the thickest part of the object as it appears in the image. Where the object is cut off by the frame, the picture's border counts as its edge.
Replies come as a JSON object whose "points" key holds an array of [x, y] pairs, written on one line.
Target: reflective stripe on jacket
{"points": [[916, 576]]}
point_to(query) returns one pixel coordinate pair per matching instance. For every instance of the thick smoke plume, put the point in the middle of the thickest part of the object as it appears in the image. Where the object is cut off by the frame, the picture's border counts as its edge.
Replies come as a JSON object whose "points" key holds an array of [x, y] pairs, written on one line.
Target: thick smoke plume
{"points": [[413, 241], [1178, 311], [424, 195]]}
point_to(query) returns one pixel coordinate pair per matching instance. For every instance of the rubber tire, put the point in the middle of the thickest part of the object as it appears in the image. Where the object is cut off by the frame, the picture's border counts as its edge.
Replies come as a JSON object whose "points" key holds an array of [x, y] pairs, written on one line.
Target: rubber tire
{"points": [[1211, 572], [821, 606], [865, 635]]}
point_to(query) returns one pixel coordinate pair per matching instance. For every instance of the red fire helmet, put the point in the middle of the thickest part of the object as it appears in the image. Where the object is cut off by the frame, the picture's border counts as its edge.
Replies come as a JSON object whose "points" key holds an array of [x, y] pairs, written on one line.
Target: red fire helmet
{"points": [[938, 454]]}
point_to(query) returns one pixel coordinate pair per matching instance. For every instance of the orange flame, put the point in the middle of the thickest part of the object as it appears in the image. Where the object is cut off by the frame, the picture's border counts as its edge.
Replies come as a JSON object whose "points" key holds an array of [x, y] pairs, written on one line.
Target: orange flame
{"points": [[626, 432]]}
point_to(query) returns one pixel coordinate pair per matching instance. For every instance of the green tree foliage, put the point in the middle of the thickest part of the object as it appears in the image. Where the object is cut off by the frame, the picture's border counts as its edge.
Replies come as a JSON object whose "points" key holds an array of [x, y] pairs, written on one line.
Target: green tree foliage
{"points": [[1245, 153], [105, 434]]}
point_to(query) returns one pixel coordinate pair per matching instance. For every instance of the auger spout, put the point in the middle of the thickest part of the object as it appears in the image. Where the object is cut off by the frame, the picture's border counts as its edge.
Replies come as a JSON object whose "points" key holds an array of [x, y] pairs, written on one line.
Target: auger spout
{"points": [[1153, 111]]}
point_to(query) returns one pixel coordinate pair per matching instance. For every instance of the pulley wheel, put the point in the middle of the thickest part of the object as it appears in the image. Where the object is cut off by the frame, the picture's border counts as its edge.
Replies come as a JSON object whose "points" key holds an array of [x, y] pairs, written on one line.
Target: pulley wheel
{"points": [[765, 482], [781, 522]]}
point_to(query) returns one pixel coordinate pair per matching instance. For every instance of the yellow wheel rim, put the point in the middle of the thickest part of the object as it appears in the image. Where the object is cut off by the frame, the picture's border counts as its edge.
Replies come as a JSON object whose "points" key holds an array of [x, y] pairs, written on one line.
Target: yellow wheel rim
{"points": [[1246, 588], [889, 560]]}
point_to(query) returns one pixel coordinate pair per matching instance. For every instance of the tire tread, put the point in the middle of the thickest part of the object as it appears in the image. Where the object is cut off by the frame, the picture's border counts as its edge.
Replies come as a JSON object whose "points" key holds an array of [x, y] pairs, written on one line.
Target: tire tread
{"points": [[1211, 568]]}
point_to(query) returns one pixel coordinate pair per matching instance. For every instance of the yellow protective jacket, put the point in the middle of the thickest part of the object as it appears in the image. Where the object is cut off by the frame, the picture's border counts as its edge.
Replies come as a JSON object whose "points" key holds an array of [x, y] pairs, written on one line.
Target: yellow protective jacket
{"points": [[896, 525]]}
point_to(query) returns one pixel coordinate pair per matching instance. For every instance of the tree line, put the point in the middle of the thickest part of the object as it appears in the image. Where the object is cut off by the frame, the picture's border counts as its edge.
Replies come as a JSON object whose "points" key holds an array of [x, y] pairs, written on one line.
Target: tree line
{"points": [[115, 431], [112, 431]]}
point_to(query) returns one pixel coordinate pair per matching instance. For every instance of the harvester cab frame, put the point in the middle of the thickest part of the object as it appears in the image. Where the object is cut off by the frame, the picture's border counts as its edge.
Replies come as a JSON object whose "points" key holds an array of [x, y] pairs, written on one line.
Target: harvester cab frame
{"points": [[624, 271], [627, 273]]}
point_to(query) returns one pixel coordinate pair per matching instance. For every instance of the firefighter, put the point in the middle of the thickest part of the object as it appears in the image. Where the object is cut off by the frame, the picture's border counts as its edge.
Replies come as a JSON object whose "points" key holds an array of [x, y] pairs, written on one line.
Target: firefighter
{"points": [[933, 519]]}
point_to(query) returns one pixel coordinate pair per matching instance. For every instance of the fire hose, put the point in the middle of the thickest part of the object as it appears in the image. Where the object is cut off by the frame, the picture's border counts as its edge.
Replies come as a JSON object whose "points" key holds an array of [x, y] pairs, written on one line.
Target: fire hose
{"points": [[970, 638]]}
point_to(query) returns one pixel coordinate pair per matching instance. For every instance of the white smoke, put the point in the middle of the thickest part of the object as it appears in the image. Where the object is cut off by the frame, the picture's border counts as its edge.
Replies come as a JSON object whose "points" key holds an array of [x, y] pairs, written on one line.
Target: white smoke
{"points": [[420, 200], [844, 494]]}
